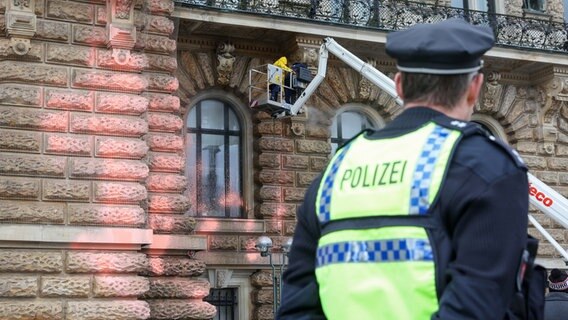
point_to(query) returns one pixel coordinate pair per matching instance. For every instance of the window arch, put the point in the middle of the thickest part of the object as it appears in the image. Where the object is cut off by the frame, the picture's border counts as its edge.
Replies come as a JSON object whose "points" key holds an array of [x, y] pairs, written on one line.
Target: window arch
{"points": [[490, 125], [215, 158], [349, 121]]}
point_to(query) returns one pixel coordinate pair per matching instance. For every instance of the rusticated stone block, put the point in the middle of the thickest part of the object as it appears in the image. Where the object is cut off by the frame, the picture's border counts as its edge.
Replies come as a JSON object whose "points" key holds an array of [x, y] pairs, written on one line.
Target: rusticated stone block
{"points": [[69, 100], [20, 141], [108, 169], [153, 43], [275, 144], [161, 63], [30, 261], [121, 103], [51, 30], [174, 266], [105, 262], [18, 286], [34, 54], [20, 95], [313, 146], [276, 177], [106, 215], [40, 310], [68, 144], [66, 190], [32, 165], [119, 192], [269, 127], [177, 288], [264, 312], [289, 227], [318, 163], [181, 309], [109, 80], [270, 193], [171, 224], [120, 147], [261, 279], [65, 286], [108, 125], [32, 212], [230, 243], [166, 183], [269, 160], [313, 131], [558, 164], [94, 36], [305, 178], [70, 55], [533, 162], [294, 194], [120, 286], [164, 122], [100, 15], [16, 71], [263, 296], [137, 61], [295, 162], [65, 10], [273, 227], [163, 102], [128, 309], [160, 162], [160, 25], [280, 210], [168, 202], [162, 82], [19, 188], [31, 119], [160, 7], [165, 142]]}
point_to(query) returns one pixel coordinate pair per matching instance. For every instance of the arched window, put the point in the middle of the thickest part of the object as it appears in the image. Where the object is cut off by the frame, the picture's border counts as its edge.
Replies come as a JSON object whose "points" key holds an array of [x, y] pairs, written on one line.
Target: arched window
{"points": [[214, 160], [491, 125], [349, 121]]}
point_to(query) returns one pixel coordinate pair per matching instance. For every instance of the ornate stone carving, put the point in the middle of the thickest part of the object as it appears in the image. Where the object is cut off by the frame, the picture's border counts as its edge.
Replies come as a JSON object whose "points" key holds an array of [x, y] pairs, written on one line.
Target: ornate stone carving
{"points": [[20, 24], [120, 29], [492, 94], [124, 9], [225, 62], [365, 86], [554, 95], [223, 277]]}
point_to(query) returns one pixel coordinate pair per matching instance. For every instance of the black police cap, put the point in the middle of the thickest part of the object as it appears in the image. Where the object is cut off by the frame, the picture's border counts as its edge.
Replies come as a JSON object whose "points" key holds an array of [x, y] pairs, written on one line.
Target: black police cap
{"points": [[449, 47]]}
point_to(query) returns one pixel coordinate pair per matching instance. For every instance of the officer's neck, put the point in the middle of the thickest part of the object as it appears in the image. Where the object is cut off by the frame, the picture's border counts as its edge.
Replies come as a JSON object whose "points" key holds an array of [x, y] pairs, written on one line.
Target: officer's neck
{"points": [[461, 111]]}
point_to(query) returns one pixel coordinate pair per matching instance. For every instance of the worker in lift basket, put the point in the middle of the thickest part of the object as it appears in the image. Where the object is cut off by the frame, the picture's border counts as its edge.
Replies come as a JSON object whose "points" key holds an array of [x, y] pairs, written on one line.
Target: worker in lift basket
{"points": [[425, 218], [281, 63]]}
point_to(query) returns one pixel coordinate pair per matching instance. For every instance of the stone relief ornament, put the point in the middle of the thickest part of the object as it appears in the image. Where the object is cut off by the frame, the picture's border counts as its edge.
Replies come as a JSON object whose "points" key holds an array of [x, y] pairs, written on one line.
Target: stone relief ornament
{"points": [[226, 61], [123, 9]]}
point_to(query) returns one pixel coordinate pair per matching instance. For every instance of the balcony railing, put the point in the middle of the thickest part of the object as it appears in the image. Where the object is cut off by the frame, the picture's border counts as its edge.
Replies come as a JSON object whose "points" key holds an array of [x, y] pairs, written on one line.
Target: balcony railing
{"points": [[390, 15]]}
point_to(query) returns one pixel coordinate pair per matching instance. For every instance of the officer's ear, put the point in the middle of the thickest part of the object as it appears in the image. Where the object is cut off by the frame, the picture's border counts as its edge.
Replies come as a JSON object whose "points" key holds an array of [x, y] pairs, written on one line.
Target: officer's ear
{"points": [[398, 85], [474, 89]]}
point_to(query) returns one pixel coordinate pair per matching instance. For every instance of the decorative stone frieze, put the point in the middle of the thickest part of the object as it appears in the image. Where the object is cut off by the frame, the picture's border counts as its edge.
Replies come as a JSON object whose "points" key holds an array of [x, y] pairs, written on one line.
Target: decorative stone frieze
{"points": [[160, 7], [161, 63], [116, 309], [32, 165], [105, 262], [108, 125], [66, 190], [18, 286], [171, 224], [120, 147], [22, 141], [32, 212], [69, 100], [53, 31], [70, 11], [178, 288], [108, 169], [174, 266], [93, 36], [19, 188], [165, 142], [16, 71], [30, 119], [75, 55], [65, 286], [275, 177], [225, 62], [166, 183], [11, 94], [134, 62], [109, 80], [27, 261], [279, 210], [181, 309], [68, 144], [106, 215], [40, 310], [163, 102], [168, 202], [155, 43], [162, 162], [116, 192], [120, 286]]}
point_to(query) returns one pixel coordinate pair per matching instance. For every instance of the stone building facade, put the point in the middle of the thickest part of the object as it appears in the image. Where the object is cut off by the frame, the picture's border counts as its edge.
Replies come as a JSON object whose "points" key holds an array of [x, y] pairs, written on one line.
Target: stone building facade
{"points": [[99, 217]]}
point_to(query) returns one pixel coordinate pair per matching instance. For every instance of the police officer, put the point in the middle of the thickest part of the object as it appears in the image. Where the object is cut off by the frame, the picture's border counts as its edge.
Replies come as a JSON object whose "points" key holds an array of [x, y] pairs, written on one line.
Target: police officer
{"points": [[424, 219]]}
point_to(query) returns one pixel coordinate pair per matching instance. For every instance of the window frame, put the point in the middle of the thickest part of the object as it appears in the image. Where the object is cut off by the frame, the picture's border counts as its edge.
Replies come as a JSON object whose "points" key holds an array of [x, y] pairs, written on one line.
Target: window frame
{"points": [[493, 125], [527, 7], [362, 109]]}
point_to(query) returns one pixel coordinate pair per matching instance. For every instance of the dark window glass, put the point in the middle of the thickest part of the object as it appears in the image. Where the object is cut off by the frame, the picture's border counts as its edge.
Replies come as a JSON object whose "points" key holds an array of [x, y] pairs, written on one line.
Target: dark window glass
{"points": [[535, 5], [225, 300], [214, 160], [346, 125]]}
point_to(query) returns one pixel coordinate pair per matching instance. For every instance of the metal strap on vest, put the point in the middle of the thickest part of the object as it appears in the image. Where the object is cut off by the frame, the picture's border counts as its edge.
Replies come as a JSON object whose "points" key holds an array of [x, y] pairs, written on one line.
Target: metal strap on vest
{"points": [[422, 178], [325, 201], [388, 250]]}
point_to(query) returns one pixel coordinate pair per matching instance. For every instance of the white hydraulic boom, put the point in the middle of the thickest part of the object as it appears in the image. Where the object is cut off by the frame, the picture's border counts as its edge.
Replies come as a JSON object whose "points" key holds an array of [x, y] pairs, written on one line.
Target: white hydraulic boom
{"points": [[541, 196]]}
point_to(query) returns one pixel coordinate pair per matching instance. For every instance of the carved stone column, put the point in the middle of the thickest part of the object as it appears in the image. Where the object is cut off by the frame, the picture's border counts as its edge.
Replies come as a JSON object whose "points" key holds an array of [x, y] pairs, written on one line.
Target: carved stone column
{"points": [[121, 32], [20, 24], [554, 95]]}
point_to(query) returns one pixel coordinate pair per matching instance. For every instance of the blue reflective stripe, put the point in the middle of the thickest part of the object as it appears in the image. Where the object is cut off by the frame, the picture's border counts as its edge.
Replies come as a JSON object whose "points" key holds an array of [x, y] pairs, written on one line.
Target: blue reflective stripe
{"points": [[389, 250], [422, 178], [325, 200]]}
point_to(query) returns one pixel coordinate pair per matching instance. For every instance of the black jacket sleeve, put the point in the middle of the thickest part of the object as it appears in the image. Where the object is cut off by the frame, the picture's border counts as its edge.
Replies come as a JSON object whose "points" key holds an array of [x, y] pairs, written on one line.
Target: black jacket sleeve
{"points": [[300, 296]]}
